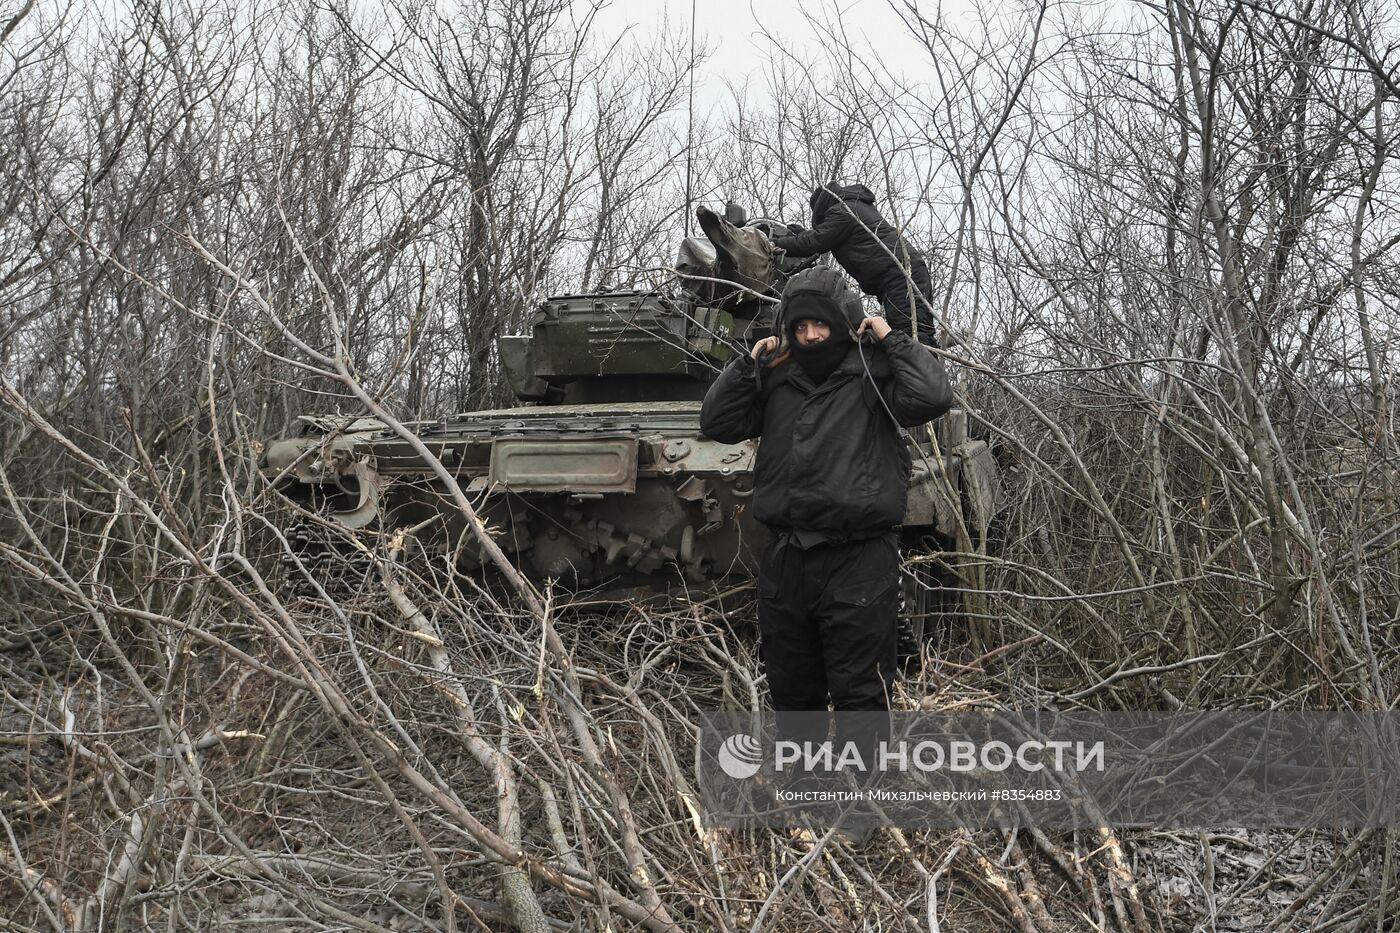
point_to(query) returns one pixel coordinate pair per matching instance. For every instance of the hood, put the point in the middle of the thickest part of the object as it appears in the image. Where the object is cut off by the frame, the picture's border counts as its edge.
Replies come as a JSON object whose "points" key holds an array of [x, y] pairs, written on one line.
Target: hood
{"points": [[825, 197]]}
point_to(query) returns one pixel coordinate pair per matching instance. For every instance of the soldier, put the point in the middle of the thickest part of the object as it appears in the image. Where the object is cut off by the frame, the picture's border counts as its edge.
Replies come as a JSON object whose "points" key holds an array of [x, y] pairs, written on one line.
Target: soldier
{"points": [[830, 485], [846, 224]]}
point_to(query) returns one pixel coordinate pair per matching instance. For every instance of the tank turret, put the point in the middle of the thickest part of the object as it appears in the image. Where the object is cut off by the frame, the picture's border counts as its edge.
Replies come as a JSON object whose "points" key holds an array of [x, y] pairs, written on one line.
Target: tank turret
{"points": [[653, 346]]}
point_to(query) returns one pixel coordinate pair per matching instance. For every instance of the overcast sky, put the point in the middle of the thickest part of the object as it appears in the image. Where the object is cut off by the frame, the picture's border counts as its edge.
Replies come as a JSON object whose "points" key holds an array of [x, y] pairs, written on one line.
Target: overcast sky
{"points": [[738, 31]]}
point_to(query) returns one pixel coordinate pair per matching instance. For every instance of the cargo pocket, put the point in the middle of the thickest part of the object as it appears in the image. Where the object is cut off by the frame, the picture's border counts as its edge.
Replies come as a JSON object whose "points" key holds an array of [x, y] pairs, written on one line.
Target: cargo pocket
{"points": [[866, 592]]}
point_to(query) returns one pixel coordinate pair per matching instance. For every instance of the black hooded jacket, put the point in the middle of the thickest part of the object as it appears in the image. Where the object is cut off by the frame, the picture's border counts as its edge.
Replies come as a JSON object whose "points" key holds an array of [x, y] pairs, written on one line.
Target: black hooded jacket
{"points": [[847, 225], [830, 459]]}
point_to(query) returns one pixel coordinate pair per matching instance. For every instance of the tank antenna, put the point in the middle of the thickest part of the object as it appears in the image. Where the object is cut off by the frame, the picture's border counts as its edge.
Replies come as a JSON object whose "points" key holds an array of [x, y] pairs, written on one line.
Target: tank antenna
{"points": [[690, 121]]}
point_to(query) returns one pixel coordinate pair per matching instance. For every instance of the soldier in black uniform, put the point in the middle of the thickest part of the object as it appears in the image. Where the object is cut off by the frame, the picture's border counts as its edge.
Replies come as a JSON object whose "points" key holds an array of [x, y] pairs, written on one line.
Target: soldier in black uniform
{"points": [[846, 223], [831, 485]]}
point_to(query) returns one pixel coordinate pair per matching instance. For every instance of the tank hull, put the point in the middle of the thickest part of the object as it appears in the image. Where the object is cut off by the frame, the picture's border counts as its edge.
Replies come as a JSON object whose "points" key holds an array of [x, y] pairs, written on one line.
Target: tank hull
{"points": [[583, 495]]}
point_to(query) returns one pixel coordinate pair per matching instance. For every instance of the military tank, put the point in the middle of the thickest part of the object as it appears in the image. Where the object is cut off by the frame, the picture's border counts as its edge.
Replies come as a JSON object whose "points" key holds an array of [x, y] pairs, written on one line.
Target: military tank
{"points": [[600, 479]]}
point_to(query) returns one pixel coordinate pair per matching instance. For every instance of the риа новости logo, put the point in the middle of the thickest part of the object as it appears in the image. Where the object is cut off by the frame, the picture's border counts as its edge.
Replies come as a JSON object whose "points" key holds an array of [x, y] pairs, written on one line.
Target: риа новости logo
{"points": [[739, 756]]}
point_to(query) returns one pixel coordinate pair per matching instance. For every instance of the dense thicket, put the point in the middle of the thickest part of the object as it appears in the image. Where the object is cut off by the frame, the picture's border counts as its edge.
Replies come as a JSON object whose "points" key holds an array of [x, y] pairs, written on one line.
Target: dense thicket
{"points": [[1166, 235]]}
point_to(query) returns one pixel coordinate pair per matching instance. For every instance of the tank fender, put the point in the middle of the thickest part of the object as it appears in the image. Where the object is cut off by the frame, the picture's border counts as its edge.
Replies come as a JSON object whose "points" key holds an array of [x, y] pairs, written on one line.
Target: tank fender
{"points": [[367, 488]]}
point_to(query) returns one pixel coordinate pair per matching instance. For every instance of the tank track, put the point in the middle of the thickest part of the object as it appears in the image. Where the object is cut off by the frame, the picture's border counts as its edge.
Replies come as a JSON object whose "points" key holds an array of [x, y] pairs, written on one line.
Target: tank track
{"points": [[332, 561]]}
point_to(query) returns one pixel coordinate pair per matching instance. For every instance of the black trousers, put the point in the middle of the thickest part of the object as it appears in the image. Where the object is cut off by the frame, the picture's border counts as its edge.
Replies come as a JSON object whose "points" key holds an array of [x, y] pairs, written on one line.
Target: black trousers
{"points": [[827, 623], [906, 299]]}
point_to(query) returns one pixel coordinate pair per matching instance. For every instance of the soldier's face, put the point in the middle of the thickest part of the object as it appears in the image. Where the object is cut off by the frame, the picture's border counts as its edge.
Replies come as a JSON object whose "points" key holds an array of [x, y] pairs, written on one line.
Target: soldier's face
{"points": [[809, 331]]}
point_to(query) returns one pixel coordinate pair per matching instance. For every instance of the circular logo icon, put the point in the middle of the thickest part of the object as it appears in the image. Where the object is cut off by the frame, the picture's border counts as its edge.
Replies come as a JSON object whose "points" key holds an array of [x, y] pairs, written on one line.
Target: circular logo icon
{"points": [[739, 756]]}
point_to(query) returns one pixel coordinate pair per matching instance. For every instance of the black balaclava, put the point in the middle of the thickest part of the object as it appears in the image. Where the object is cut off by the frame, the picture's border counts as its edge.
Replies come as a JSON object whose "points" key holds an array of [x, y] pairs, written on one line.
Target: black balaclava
{"points": [[818, 360]]}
